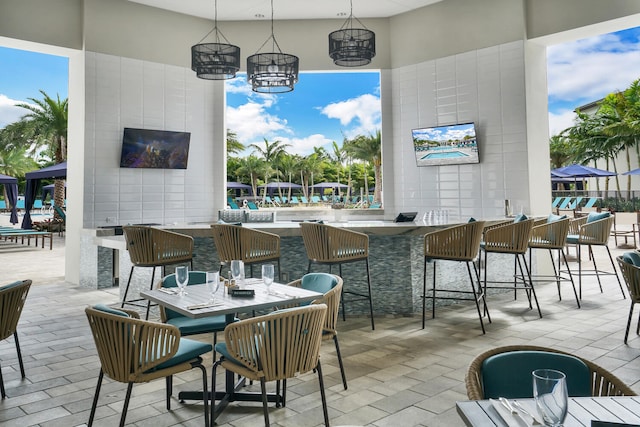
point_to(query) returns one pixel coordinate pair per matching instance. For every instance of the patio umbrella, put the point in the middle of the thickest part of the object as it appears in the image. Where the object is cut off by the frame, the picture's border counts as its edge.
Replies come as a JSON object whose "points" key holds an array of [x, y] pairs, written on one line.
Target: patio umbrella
{"points": [[632, 172], [576, 171]]}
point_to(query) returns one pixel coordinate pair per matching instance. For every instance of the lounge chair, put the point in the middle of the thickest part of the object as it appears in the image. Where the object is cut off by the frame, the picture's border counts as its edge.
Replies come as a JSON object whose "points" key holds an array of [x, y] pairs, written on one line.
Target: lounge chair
{"points": [[315, 199], [556, 202], [591, 202], [565, 203], [304, 200], [233, 205], [252, 206], [294, 200]]}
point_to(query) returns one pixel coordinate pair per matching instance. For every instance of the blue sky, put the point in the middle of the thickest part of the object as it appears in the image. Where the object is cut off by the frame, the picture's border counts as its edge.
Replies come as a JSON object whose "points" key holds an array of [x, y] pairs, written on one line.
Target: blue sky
{"points": [[326, 107]]}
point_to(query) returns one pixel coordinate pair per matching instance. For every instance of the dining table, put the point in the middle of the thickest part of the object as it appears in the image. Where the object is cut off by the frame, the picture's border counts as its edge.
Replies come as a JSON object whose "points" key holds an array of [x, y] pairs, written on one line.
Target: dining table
{"points": [[197, 303], [582, 411]]}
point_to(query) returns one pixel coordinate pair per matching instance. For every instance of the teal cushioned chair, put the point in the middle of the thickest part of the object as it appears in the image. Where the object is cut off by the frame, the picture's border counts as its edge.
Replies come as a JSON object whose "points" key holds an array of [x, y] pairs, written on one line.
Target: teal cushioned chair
{"points": [[187, 325], [137, 351], [12, 299], [506, 372], [630, 266], [593, 230], [509, 374]]}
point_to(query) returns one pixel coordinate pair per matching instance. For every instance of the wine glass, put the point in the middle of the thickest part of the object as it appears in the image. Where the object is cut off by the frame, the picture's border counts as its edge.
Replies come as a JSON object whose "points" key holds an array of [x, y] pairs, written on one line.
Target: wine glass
{"points": [[550, 393], [213, 283], [267, 276], [237, 268], [182, 278]]}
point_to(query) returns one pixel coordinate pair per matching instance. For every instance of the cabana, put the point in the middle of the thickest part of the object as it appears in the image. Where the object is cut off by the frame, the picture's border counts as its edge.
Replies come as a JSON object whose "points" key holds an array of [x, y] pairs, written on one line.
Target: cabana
{"points": [[33, 181], [11, 186]]}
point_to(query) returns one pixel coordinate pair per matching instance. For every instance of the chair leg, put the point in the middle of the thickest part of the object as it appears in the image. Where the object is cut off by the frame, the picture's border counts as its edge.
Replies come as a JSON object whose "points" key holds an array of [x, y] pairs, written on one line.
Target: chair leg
{"points": [[595, 267], [15, 338], [573, 285], [153, 274], [4, 394], [531, 287], [613, 265], [126, 404], [424, 292], [213, 392], [579, 256], [126, 290], [433, 292], [344, 377], [322, 394], [169, 390], [373, 326], [626, 333], [344, 315], [475, 298], [265, 407], [205, 397], [95, 399], [284, 393], [484, 299]]}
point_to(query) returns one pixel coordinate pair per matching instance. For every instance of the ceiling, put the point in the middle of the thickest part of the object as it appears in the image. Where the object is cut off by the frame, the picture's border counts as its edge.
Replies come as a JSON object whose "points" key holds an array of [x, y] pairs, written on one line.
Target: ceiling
{"points": [[247, 10]]}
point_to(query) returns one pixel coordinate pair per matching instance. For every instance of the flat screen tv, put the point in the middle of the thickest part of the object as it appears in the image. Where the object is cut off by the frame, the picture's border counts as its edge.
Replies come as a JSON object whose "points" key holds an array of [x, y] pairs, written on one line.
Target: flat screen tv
{"points": [[159, 149], [446, 145], [406, 217]]}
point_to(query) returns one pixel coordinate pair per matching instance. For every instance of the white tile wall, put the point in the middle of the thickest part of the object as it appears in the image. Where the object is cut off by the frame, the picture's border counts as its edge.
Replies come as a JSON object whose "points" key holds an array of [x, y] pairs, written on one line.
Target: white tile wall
{"points": [[485, 86], [122, 92]]}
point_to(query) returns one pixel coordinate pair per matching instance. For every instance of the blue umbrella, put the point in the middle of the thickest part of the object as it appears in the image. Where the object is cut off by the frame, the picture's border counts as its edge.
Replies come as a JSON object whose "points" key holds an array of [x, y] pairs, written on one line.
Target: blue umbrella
{"points": [[632, 172], [580, 171]]}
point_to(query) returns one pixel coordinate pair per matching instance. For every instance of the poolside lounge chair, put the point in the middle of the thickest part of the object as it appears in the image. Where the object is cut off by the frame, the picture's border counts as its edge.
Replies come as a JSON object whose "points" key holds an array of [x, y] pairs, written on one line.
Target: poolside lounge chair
{"points": [[591, 202], [252, 206], [233, 205], [315, 199], [304, 200], [556, 202], [294, 200]]}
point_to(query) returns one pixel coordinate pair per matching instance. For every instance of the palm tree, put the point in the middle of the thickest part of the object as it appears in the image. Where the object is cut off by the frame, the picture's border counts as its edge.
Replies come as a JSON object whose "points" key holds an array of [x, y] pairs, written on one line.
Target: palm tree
{"points": [[253, 167], [46, 127], [271, 154], [15, 162], [559, 150], [369, 149], [287, 168], [308, 166], [233, 145]]}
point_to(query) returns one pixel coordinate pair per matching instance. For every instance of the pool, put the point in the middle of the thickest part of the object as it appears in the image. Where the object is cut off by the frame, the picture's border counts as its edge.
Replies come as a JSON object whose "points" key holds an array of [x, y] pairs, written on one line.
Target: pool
{"points": [[444, 155]]}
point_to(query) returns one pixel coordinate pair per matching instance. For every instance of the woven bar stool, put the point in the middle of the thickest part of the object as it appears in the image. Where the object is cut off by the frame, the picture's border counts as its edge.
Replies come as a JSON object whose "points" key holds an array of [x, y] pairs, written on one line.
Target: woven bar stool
{"points": [[459, 243], [153, 247], [245, 244], [336, 246]]}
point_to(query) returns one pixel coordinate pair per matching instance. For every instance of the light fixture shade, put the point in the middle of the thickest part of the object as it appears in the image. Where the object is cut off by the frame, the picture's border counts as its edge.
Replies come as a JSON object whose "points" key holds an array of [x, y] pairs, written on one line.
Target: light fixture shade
{"points": [[352, 47], [273, 72], [215, 61]]}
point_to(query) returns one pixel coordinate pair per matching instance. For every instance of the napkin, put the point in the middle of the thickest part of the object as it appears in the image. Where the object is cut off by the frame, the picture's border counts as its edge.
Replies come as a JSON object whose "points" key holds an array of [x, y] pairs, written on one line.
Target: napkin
{"points": [[203, 305], [512, 420]]}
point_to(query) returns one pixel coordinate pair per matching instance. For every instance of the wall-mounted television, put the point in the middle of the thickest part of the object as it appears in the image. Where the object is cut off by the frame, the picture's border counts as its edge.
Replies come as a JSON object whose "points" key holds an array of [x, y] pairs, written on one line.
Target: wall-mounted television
{"points": [[159, 149], [446, 145]]}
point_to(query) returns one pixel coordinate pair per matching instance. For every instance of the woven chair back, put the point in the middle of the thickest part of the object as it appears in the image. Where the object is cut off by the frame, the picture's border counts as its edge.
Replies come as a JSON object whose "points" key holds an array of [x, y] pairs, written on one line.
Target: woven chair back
{"points": [[12, 299], [551, 235], [245, 244], [278, 345], [129, 347], [631, 275], [603, 382], [332, 301], [457, 243], [512, 238], [150, 247], [327, 244], [596, 232]]}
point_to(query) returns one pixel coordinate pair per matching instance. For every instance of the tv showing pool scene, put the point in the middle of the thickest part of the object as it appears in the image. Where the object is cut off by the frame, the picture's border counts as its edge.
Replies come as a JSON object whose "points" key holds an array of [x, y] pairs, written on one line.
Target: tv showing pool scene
{"points": [[156, 149], [446, 145]]}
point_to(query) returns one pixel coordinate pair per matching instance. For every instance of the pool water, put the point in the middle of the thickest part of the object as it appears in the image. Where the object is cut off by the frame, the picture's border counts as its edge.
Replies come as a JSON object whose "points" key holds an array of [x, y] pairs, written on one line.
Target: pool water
{"points": [[444, 155]]}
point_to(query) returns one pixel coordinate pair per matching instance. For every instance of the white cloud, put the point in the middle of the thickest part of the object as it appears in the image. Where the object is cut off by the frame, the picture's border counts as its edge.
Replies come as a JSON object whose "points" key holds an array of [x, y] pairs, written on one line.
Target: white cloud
{"points": [[589, 69], [9, 113], [363, 111], [251, 121], [305, 146], [560, 121]]}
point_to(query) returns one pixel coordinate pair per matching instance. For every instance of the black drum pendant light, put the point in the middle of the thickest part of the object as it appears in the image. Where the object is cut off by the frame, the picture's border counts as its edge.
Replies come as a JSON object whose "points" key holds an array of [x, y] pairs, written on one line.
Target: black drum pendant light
{"points": [[215, 61], [272, 72], [352, 47]]}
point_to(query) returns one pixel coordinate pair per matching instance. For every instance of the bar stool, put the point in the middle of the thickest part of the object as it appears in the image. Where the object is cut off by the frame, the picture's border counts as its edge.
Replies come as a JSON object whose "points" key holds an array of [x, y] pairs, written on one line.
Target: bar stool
{"points": [[153, 247], [459, 243], [245, 244], [511, 238], [552, 235], [331, 246], [592, 230]]}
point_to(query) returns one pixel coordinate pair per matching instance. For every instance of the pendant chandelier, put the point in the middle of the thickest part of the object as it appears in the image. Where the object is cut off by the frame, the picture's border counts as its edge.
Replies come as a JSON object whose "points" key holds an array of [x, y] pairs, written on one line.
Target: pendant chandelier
{"points": [[272, 72], [352, 47], [217, 60]]}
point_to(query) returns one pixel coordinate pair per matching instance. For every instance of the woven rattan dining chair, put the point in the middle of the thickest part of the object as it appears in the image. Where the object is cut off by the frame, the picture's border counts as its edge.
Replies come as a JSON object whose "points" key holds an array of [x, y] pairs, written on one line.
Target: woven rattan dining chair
{"points": [[327, 245], [459, 243], [510, 238], [138, 351], [600, 381], [631, 275], [592, 230], [154, 247], [331, 286], [12, 298], [552, 235], [274, 347], [245, 244]]}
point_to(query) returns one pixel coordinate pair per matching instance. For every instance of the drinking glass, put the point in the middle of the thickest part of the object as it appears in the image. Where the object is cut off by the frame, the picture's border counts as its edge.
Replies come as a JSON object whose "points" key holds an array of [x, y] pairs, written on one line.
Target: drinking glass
{"points": [[213, 283], [182, 278], [267, 275], [550, 393], [237, 270]]}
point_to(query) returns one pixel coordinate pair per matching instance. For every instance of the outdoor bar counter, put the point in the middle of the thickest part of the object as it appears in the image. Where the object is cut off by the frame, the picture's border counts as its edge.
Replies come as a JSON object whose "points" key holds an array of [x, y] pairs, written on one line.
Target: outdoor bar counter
{"points": [[395, 259]]}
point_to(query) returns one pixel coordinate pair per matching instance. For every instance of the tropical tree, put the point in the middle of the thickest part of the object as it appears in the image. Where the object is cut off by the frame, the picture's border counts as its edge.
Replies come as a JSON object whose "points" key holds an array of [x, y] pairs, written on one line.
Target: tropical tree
{"points": [[233, 145], [45, 127], [309, 166], [287, 168], [15, 162], [271, 154], [369, 149], [559, 151], [254, 168]]}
